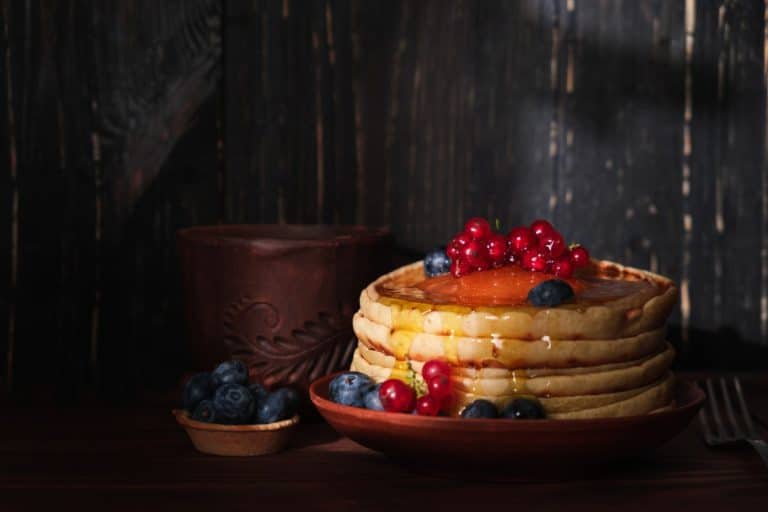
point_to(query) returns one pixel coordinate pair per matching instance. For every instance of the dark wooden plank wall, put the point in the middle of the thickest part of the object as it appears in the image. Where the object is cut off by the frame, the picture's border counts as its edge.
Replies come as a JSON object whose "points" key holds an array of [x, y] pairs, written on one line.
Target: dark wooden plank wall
{"points": [[637, 126], [111, 126]]}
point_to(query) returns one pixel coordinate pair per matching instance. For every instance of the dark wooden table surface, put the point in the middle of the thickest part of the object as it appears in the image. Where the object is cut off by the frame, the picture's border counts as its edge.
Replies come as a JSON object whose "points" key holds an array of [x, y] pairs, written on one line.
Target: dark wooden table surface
{"points": [[139, 459]]}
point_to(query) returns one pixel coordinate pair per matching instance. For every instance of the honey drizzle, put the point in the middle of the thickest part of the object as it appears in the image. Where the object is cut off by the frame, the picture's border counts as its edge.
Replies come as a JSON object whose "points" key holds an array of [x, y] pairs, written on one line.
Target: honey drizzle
{"points": [[408, 320]]}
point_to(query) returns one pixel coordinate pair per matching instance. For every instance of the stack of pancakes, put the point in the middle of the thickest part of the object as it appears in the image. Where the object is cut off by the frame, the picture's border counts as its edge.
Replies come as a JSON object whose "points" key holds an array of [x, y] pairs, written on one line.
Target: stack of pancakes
{"points": [[589, 360]]}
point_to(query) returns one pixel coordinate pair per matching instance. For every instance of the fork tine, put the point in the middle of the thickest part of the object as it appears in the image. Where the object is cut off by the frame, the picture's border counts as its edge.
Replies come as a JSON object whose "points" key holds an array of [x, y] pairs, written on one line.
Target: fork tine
{"points": [[708, 437], [729, 409], [744, 410], [721, 433]]}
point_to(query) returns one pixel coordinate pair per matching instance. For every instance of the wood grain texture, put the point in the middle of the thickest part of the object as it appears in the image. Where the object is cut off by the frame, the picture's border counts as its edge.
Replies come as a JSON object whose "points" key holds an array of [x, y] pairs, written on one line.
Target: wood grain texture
{"points": [[159, 123], [620, 121], [741, 157], [150, 88], [96, 101], [38, 112], [8, 194]]}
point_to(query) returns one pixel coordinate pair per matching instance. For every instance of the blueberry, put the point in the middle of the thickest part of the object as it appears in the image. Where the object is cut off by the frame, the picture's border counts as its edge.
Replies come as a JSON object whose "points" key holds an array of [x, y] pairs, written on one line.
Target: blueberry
{"points": [[258, 391], [523, 409], [371, 399], [349, 388], [480, 409], [197, 388], [436, 262], [205, 411], [291, 398], [230, 372], [234, 404], [277, 406], [550, 293]]}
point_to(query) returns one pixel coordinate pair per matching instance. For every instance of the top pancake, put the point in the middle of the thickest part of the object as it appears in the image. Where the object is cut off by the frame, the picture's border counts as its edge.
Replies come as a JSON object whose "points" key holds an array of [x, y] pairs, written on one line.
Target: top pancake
{"points": [[619, 318]]}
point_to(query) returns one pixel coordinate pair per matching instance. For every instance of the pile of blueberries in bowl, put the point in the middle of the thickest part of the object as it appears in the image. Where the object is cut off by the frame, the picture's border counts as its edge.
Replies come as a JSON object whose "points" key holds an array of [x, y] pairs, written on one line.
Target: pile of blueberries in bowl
{"points": [[225, 396]]}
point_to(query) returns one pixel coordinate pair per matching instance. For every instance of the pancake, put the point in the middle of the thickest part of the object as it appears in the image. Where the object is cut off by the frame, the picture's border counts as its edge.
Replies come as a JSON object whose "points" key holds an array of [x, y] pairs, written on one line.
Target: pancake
{"points": [[603, 354], [637, 400], [584, 380], [627, 316], [504, 352], [600, 379]]}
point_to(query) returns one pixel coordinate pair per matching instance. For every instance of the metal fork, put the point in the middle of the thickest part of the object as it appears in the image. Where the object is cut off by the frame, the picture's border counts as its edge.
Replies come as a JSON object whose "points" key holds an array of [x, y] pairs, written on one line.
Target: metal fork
{"points": [[736, 425]]}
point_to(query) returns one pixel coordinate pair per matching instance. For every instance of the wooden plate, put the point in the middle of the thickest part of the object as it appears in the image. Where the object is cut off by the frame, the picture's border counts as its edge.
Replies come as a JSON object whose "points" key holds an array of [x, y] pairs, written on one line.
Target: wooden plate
{"points": [[523, 445], [237, 440]]}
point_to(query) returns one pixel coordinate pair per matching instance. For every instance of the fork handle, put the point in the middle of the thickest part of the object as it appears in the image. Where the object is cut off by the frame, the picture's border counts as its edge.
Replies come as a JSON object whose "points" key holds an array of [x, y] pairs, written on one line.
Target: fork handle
{"points": [[761, 447]]}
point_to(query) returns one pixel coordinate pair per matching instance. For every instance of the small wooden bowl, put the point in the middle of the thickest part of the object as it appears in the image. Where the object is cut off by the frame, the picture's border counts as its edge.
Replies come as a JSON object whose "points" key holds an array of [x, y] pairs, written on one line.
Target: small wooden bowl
{"points": [[237, 440]]}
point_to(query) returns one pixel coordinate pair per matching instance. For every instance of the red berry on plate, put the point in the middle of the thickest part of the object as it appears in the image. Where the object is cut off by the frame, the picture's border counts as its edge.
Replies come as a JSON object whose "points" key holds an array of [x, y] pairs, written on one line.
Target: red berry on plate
{"points": [[455, 245], [534, 260], [435, 367], [562, 267], [478, 228], [497, 248], [459, 268], [579, 257], [521, 239], [397, 396], [552, 244], [541, 227], [453, 250], [461, 239], [475, 254], [439, 387], [427, 405]]}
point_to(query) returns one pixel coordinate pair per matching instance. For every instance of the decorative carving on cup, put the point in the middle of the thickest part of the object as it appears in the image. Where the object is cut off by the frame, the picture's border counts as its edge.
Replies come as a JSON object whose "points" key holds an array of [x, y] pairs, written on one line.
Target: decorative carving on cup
{"points": [[320, 347], [248, 315]]}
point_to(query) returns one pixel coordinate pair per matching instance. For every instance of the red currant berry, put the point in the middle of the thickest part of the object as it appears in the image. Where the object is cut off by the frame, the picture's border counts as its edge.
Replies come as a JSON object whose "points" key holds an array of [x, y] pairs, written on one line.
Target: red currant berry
{"points": [[540, 227], [439, 387], [497, 248], [475, 254], [397, 396], [552, 244], [521, 239], [454, 246], [579, 257], [427, 406], [461, 239], [562, 267], [459, 268], [435, 367], [478, 228], [534, 260]]}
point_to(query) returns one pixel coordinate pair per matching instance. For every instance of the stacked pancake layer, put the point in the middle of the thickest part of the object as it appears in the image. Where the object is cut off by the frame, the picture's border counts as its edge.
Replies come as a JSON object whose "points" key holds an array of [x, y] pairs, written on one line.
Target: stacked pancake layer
{"points": [[582, 361]]}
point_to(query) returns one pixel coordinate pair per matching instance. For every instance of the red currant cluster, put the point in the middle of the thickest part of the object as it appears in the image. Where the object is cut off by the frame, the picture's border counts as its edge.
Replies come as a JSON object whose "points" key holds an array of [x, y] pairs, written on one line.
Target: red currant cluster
{"points": [[538, 248], [397, 396]]}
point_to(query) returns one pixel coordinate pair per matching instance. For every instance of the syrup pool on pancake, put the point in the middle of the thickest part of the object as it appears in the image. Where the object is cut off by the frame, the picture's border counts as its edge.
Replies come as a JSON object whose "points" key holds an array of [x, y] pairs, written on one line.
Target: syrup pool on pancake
{"points": [[477, 269]]}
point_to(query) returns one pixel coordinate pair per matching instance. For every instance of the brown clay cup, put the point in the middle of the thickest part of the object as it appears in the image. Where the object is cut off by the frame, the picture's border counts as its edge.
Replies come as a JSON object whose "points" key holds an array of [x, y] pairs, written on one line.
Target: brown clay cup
{"points": [[278, 297]]}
